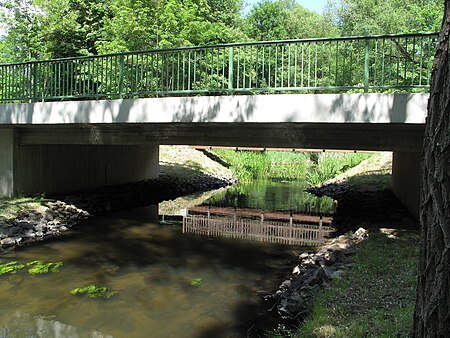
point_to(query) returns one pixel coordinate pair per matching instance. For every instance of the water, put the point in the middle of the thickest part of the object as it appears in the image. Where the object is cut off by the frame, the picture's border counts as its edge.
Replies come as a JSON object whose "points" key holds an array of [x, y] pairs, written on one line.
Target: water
{"points": [[153, 268]]}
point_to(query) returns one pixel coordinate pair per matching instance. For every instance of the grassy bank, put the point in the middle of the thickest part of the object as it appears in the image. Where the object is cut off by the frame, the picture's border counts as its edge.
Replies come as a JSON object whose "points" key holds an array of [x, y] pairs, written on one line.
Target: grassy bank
{"points": [[10, 207], [316, 168], [376, 297]]}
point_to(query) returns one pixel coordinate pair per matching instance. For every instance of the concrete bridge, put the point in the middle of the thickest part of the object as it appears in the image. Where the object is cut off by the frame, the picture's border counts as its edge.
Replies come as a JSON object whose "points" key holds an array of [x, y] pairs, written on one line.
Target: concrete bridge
{"points": [[80, 136]]}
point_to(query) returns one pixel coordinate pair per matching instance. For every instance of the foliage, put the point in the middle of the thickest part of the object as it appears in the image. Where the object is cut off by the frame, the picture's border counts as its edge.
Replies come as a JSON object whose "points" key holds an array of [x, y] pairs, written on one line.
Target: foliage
{"points": [[375, 298], [370, 17], [266, 20], [10, 268], [39, 267], [93, 291]]}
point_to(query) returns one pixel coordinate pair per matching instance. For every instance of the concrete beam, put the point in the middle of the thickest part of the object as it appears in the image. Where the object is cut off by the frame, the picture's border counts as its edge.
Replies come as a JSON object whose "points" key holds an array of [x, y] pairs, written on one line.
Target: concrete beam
{"points": [[349, 136], [315, 108]]}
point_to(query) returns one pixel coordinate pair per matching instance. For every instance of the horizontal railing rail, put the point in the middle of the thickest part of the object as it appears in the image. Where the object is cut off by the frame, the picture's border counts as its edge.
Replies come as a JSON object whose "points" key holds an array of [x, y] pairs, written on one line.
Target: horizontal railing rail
{"points": [[363, 64]]}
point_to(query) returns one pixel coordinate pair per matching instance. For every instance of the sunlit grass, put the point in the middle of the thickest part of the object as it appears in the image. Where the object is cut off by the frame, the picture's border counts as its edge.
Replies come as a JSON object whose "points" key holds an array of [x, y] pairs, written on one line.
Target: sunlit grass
{"points": [[329, 165], [289, 166], [375, 298], [10, 207]]}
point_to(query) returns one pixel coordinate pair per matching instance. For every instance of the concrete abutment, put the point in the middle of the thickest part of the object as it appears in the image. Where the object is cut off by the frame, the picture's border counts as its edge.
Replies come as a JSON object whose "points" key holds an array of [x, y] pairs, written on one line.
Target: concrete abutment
{"points": [[406, 170], [33, 169]]}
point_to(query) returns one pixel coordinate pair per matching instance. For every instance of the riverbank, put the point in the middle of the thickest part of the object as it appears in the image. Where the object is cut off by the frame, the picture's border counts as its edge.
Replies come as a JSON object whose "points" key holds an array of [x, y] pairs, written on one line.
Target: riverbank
{"points": [[363, 201], [183, 171], [374, 292]]}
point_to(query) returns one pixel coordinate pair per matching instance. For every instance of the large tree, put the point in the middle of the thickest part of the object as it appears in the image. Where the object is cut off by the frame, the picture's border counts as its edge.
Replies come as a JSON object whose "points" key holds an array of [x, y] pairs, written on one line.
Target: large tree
{"points": [[432, 313], [369, 17]]}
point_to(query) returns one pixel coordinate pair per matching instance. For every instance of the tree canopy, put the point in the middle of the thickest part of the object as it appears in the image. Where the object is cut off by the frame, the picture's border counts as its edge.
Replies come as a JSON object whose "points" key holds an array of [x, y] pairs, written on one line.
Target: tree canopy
{"points": [[41, 29]]}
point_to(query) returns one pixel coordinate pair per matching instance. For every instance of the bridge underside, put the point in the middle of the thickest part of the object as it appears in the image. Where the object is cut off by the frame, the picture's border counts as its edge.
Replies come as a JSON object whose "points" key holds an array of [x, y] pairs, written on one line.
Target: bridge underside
{"points": [[61, 158], [349, 136]]}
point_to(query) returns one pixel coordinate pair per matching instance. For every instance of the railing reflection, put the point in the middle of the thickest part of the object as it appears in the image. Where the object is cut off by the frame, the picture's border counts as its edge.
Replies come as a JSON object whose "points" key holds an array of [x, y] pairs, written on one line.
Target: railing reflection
{"points": [[272, 227]]}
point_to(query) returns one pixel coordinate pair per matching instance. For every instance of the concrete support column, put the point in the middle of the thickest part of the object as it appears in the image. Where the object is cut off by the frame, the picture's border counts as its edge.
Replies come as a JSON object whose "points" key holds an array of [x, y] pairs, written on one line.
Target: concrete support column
{"points": [[406, 169], [65, 168], [7, 144]]}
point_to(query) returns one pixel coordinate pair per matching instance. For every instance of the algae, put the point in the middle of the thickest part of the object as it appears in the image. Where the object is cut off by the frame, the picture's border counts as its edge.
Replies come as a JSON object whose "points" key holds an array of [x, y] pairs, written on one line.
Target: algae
{"points": [[196, 281], [93, 291], [10, 268], [39, 267]]}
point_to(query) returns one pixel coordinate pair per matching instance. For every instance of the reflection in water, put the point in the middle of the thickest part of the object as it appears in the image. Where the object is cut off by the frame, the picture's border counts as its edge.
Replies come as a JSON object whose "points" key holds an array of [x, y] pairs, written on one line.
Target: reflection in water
{"points": [[23, 325], [280, 196], [262, 230], [272, 212], [152, 268]]}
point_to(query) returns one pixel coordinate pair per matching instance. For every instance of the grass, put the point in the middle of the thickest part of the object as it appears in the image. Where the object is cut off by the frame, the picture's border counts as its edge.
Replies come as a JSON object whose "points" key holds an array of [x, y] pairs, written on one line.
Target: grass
{"points": [[328, 165], [288, 166], [10, 207], [375, 298]]}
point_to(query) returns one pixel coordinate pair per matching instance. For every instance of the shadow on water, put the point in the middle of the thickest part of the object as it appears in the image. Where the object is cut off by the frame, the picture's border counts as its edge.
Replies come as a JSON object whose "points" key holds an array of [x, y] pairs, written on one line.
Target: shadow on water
{"points": [[110, 250]]}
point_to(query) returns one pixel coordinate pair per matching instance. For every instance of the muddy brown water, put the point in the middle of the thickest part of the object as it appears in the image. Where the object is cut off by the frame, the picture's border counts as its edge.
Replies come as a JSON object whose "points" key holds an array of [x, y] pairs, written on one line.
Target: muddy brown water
{"points": [[153, 268]]}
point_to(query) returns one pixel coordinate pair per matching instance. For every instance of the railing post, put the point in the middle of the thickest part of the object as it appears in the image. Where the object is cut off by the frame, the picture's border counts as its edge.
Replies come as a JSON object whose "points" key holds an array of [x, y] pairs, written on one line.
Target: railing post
{"points": [[366, 65], [35, 82], [230, 69], [121, 71]]}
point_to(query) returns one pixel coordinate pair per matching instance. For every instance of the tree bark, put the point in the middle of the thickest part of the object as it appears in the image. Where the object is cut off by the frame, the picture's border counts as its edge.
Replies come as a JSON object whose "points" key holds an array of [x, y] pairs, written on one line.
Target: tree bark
{"points": [[432, 312]]}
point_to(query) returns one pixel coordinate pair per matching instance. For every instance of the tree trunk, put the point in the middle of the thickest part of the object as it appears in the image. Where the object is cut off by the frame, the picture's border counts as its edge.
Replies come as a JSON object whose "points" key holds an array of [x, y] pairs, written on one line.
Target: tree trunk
{"points": [[432, 313]]}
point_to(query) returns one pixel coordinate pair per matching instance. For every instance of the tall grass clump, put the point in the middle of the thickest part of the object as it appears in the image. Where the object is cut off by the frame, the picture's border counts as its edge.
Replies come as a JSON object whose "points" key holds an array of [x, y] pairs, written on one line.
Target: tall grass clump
{"points": [[316, 168], [265, 165], [325, 166]]}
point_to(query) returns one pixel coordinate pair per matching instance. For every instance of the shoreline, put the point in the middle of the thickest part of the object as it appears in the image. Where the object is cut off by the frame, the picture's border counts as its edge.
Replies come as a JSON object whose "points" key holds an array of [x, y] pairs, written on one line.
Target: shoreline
{"points": [[58, 213]]}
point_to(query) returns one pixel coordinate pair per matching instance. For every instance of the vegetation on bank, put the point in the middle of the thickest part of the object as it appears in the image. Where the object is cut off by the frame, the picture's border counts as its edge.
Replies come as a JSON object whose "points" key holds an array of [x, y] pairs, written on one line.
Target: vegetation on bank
{"points": [[376, 297], [316, 168], [10, 207]]}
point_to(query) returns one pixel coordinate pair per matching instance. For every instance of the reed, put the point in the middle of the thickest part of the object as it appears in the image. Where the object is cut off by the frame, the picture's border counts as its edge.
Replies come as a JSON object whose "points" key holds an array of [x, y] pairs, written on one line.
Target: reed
{"points": [[316, 168]]}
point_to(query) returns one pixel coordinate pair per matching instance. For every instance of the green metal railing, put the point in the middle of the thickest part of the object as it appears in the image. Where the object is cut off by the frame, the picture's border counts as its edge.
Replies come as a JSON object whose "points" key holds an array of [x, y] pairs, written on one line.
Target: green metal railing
{"points": [[374, 63]]}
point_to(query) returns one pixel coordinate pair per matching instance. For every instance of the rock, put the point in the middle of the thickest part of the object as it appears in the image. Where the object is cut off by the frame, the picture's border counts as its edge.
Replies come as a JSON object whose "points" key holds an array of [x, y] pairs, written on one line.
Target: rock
{"points": [[286, 284], [360, 234], [8, 241], [304, 255], [49, 215]]}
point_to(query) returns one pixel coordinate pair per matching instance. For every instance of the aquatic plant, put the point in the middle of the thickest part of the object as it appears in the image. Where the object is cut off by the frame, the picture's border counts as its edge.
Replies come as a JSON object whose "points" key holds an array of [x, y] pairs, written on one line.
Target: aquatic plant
{"points": [[39, 267], [10, 268], [93, 291], [196, 281]]}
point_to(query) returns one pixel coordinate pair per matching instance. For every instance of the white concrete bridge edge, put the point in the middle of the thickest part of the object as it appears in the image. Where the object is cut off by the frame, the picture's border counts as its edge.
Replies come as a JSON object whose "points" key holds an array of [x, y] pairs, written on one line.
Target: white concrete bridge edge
{"points": [[335, 108]]}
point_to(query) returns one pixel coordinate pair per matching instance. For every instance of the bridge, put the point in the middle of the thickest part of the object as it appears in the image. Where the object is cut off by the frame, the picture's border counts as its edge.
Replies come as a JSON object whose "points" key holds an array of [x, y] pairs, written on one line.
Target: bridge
{"points": [[86, 122]]}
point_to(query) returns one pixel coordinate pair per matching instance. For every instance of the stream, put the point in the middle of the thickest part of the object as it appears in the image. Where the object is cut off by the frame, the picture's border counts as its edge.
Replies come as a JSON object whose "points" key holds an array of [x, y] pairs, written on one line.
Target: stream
{"points": [[168, 284]]}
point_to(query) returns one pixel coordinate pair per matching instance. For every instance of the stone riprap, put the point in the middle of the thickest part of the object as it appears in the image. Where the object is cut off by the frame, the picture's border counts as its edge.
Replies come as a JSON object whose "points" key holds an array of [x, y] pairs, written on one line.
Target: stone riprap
{"points": [[48, 220], [315, 271], [58, 214]]}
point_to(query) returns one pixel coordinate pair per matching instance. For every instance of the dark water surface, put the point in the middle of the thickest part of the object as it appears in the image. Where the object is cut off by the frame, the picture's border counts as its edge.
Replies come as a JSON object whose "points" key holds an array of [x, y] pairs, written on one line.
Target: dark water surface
{"points": [[152, 267]]}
